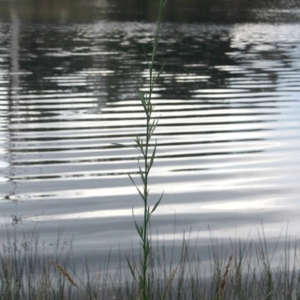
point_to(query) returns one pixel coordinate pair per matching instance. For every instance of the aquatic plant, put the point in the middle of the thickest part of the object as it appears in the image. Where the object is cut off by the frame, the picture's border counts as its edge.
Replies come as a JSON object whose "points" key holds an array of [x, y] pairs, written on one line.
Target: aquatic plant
{"points": [[143, 144]]}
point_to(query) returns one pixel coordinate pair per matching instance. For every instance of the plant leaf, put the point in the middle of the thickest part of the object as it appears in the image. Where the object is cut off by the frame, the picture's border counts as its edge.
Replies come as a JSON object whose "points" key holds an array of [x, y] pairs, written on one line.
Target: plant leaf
{"points": [[130, 268], [152, 158], [157, 203], [141, 194], [142, 175]]}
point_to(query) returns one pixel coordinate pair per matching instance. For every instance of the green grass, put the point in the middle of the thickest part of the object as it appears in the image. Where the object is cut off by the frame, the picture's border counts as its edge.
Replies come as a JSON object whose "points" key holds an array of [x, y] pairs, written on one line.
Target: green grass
{"points": [[243, 270], [26, 272], [25, 268]]}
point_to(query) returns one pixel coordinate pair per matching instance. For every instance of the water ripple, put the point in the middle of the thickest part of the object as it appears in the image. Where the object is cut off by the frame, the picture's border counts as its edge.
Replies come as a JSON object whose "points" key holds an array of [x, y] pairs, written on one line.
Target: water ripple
{"points": [[228, 135]]}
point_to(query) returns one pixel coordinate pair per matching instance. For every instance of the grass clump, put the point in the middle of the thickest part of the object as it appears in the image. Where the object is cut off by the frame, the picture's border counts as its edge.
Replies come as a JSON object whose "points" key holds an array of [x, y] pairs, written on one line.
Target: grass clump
{"points": [[25, 270], [250, 272]]}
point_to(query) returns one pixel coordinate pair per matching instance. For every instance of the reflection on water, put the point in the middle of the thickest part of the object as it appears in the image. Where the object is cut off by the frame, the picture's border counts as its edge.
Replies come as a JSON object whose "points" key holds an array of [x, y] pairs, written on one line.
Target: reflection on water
{"points": [[228, 136], [179, 11]]}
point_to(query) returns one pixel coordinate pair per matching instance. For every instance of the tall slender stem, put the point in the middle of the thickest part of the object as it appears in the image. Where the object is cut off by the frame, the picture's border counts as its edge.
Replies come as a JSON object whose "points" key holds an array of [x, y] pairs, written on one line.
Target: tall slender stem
{"points": [[143, 231]]}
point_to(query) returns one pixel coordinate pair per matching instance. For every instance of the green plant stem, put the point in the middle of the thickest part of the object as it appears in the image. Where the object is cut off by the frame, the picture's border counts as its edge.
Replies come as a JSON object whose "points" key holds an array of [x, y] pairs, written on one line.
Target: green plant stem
{"points": [[148, 159]]}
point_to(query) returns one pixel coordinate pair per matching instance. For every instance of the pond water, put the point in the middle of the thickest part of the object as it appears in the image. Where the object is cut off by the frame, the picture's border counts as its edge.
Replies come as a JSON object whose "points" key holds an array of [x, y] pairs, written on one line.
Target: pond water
{"points": [[228, 103]]}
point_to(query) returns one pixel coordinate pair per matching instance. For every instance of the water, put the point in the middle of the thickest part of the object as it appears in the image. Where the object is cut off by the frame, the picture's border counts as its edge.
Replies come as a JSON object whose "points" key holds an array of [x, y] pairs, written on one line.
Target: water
{"points": [[228, 136]]}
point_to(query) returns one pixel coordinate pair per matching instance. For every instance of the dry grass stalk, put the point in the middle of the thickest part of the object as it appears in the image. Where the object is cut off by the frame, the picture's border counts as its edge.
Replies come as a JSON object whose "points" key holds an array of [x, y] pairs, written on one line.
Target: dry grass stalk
{"points": [[141, 294], [268, 295], [169, 283], [220, 294], [65, 273]]}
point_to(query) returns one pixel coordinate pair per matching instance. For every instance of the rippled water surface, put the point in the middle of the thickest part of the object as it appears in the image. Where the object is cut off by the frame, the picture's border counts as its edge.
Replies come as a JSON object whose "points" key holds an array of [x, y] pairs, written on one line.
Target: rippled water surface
{"points": [[228, 137]]}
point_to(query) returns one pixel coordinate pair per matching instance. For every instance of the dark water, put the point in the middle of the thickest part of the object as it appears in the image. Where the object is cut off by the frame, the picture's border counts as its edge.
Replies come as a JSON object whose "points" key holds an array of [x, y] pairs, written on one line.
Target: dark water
{"points": [[228, 137]]}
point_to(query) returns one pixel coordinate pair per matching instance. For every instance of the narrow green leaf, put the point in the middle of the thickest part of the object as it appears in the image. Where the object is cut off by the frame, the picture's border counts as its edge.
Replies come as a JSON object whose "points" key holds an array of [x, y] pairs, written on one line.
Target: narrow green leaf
{"points": [[143, 99], [141, 194], [142, 175], [122, 145], [157, 203], [138, 141], [131, 268], [140, 144], [152, 158], [159, 73], [139, 229]]}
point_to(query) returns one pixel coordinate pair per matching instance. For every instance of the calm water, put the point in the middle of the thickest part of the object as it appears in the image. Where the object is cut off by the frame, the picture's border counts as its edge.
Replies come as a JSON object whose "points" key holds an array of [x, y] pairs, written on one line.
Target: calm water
{"points": [[228, 136]]}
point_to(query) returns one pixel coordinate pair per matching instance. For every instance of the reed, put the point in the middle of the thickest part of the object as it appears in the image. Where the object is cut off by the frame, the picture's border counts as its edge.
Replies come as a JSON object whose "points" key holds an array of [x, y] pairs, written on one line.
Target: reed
{"points": [[144, 145]]}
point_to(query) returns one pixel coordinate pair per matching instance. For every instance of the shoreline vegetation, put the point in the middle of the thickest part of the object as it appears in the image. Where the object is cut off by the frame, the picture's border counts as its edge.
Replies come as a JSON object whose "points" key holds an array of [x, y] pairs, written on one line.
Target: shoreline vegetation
{"points": [[245, 270]]}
